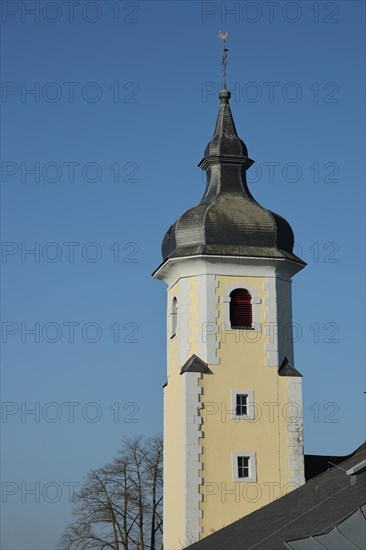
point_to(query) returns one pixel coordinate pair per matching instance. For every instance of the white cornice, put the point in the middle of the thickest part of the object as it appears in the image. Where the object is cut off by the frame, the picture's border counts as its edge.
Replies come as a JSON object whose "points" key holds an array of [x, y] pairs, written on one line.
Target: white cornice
{"points": [[190, 266]]}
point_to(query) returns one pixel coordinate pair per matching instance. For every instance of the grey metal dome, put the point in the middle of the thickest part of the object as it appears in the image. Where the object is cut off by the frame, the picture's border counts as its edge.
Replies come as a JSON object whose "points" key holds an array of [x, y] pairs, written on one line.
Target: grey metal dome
{"points": [[228, 220]]}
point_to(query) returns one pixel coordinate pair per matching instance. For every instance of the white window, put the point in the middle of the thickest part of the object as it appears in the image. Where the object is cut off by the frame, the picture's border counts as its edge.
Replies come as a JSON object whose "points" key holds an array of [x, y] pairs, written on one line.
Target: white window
{"points": [[173, 317], [242, 404], [244, 467]]}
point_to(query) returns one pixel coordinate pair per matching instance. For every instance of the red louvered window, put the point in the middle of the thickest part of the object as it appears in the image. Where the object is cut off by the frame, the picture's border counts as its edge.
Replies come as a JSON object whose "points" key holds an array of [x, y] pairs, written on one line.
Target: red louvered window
{"points": [[241, 309]]}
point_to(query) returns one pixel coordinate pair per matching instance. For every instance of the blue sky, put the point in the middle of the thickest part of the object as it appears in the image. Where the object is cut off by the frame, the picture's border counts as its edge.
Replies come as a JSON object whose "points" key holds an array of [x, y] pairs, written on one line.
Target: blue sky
{"points": [[124, 102]]}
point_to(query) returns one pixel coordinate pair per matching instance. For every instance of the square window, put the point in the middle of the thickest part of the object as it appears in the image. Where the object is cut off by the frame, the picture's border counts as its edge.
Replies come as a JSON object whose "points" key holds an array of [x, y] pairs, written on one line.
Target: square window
{"points": [[242, 404], [244, 466]]}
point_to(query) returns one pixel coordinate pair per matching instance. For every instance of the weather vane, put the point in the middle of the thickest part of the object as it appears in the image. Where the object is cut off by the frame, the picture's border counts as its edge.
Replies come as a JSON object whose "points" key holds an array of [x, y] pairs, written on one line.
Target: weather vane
{"points": [[224, 37]]}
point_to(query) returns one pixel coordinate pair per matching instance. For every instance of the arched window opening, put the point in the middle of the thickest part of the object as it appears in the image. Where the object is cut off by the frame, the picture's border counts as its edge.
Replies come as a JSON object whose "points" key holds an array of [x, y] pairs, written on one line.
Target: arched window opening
{"points": [[241, 309], [174, 316]]}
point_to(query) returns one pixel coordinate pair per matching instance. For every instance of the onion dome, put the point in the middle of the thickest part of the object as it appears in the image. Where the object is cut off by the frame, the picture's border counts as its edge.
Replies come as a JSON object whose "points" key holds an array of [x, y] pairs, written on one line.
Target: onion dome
{"points": [[228, 220]]}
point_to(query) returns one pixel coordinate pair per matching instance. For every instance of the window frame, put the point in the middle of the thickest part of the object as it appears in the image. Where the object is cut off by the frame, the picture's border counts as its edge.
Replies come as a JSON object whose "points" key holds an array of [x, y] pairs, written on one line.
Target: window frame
{"points": [[252, 466], [250, 415]]}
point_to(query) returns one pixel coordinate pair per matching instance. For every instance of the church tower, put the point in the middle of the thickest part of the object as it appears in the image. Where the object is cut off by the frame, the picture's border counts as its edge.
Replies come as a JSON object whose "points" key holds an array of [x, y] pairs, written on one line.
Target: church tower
{"points": [[233, 436]]}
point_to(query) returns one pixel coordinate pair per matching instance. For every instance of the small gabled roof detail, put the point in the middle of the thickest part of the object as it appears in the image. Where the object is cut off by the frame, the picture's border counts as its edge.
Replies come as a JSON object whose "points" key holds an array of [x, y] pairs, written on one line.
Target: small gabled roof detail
{"points": [[286, 369], [195, 364]]}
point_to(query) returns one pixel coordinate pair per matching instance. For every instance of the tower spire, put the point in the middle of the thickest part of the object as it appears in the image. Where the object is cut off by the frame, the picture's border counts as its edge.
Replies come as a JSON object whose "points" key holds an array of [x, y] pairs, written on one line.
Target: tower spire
{"points": [[228, 220], [225, 141]]}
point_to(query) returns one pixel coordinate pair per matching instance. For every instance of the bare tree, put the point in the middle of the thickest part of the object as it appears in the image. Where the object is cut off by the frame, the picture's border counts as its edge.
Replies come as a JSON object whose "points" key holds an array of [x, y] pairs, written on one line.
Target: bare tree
{"points": [[120, 505]]}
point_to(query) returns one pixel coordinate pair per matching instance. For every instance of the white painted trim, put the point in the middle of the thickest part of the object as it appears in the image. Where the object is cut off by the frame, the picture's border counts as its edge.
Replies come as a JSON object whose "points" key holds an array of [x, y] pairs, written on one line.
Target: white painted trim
{"points": [[191, 266], [360, 466], [191, 453], [207, 328], [270, 323], [252, 466], [295, 433], [250, 405], [184, 344]]}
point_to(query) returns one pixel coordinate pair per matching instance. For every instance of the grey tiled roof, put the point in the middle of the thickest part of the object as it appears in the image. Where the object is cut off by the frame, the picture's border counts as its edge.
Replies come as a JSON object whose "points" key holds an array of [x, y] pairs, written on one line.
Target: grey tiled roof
{"points": [[349, 534], [286, 369], [228, 220], [312, 510], [195, 364]]}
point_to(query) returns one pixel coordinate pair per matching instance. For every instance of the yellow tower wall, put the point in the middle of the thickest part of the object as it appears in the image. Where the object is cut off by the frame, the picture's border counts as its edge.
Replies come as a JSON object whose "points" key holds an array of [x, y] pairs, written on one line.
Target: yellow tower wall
{"points": [[243, 365], [200, 434]]}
